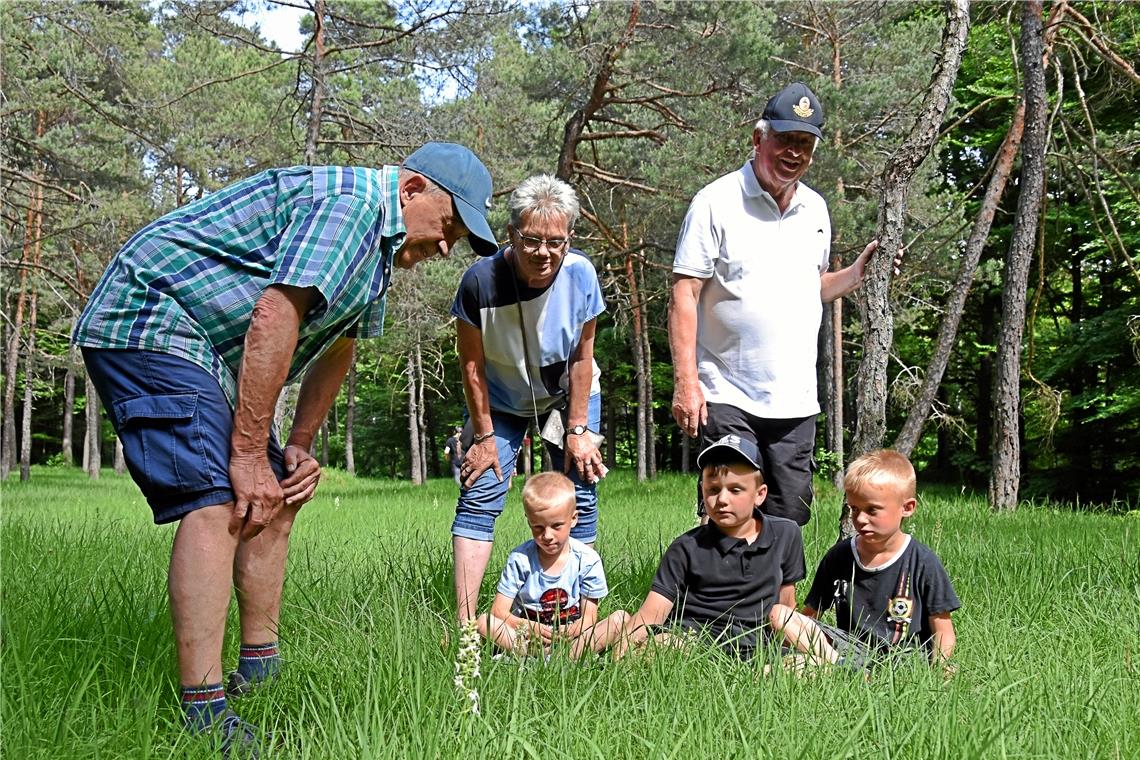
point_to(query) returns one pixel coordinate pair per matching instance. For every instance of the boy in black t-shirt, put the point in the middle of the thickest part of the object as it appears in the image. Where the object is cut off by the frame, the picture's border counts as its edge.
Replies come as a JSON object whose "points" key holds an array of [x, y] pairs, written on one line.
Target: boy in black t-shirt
{"points": [[890, 592], [724, 578]]}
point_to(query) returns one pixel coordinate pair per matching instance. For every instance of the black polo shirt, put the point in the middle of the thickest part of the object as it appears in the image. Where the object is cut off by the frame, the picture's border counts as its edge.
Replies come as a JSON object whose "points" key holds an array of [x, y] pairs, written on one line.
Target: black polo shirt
{"points": [[725, 585]]}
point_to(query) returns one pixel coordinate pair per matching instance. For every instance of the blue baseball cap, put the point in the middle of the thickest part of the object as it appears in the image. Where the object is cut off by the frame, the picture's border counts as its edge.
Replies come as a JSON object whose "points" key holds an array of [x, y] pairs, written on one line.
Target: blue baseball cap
{"points": [[728, 449], [795, 109], [458, 171]]}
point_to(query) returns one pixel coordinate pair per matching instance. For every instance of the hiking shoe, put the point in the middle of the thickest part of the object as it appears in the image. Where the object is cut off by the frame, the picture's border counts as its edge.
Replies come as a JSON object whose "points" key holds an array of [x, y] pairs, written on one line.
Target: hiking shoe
{"points": [[238, 739], [238, 686]]}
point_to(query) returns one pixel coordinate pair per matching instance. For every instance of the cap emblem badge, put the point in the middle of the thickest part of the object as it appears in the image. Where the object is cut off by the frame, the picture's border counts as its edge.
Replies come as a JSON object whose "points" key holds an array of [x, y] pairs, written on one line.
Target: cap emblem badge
{"points": [[803, 109]]}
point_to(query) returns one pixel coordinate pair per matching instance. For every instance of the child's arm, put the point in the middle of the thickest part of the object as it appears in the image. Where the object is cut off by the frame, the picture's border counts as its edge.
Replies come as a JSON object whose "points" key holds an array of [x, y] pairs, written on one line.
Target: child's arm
{"points": [[502, 617], [788, 595], [654, 611], [943, 640]]}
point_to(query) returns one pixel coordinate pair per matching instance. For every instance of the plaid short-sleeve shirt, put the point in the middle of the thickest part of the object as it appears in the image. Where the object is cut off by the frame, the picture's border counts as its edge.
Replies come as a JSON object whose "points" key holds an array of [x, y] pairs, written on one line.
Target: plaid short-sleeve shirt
{"points": [[186, 284]]}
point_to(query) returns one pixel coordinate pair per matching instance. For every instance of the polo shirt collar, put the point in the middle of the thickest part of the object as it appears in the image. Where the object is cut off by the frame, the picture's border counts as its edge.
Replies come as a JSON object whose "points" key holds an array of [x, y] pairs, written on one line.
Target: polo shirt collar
{"points": [[725, 543], [753, 189]]}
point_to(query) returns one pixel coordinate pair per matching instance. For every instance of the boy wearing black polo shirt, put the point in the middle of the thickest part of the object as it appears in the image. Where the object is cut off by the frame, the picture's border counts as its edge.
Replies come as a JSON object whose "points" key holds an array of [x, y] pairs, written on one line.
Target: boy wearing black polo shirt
{"points": [[890, 592], [722, 579]]}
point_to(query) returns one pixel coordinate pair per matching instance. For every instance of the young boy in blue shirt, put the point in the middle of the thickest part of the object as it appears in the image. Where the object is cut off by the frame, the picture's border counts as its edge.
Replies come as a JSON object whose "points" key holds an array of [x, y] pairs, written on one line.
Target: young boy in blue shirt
{"points": [[551, 585], [722, 579], [890, 592]]}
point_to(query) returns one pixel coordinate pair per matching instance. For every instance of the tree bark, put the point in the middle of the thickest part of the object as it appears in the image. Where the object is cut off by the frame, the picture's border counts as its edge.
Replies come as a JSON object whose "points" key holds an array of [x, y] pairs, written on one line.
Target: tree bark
{"points": [[647, 372], [324, 460], [12, 365], [93, 454], [638, 346], [29, 383], [871, 413], [1005, 473], [611, 431], [920, 408], [833, 380], [316, 107], [421, 405], [350, 418], [67, 456], [416, 469], [120, 457]]}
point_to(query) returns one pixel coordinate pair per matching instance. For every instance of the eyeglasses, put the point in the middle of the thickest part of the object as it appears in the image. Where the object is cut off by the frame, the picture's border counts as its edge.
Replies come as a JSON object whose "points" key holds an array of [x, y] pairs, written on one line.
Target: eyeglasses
{"points": [[532, 244]]}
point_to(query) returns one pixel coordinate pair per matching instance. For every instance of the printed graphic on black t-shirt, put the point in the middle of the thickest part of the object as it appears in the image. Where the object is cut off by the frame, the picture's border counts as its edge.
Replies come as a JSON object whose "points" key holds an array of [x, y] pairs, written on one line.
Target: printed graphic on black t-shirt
{"points": [[889, 606]]}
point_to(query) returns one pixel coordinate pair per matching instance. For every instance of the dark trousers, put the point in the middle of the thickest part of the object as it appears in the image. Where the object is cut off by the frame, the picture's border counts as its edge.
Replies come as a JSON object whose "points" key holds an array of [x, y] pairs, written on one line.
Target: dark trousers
{"points": [[786, 448]]}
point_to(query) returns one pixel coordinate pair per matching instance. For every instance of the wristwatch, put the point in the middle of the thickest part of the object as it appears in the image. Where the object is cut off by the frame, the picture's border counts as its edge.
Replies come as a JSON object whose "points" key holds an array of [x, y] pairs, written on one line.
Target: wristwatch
{"points": [[576, 430]]}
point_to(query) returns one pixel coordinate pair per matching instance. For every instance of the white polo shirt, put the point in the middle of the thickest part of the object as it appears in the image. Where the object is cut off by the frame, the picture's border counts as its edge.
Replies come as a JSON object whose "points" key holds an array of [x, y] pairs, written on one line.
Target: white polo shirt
{"points": [[760, 308]]}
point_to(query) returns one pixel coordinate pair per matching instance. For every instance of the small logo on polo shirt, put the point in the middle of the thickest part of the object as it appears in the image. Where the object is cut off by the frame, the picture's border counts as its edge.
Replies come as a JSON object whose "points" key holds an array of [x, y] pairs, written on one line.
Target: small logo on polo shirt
{"points": [[900, 609], [803, 109]]}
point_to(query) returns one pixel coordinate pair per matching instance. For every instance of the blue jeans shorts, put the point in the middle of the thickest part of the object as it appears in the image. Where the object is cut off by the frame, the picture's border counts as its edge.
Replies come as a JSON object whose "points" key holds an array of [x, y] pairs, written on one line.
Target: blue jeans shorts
{"points": [[480, 504], [174, 423]]}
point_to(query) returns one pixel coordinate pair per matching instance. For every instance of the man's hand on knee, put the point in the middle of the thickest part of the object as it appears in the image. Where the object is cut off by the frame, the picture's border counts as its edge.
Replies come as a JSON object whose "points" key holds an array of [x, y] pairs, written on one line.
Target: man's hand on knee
{"points": [[300, 484], [257, 494]]}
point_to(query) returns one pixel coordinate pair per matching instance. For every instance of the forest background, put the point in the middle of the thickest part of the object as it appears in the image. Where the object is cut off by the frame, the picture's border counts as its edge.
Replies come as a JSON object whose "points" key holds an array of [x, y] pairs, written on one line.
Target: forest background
{"points": [[113, 113]]}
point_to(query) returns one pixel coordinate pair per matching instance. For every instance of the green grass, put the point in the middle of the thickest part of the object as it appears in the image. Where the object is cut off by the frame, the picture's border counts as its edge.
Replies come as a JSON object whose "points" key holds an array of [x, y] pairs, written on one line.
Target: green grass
{"points": [[1049, 639]]}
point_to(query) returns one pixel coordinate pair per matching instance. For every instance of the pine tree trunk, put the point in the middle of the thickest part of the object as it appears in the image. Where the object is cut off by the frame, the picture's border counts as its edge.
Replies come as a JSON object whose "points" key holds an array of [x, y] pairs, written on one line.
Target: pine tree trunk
{"points": [[93, 455], [120, 458], [30, 359], [29, 396], [647, 371], [1005, 473], [414, 423], [421, 405], [65, 446], [350, 418], [611, 432], [920, 408], [316, 108], [871, 415], [11, 371], [324, 460], [638, 346]]}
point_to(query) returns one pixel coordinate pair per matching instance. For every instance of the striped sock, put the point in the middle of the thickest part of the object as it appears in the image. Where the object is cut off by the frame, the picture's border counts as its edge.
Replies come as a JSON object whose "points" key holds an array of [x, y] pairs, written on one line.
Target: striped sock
{"points": [[202, 705], [258, 662]]}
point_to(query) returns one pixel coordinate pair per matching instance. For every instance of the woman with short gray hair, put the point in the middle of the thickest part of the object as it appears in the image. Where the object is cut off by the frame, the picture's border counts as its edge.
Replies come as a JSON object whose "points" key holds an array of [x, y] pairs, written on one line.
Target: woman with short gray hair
{"points": [[526, 319]]}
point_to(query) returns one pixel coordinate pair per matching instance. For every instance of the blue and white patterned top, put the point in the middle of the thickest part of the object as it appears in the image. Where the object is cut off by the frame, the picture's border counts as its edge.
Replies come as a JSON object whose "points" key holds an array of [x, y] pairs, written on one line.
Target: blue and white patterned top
{"points": [[490, 297]]}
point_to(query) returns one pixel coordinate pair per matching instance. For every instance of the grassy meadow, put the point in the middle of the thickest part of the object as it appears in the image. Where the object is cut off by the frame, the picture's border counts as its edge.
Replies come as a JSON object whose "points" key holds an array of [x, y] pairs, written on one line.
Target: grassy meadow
{"points": [[1048, 647]]}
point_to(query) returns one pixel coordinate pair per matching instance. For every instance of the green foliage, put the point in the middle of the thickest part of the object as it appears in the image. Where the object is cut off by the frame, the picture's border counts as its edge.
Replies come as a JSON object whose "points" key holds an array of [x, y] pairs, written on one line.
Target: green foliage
{"points": [[146, 106]]}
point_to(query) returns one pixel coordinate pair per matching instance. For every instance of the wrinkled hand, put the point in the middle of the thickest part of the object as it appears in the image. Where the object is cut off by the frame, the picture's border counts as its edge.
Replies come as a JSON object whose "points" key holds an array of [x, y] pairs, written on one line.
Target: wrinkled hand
{"points": [[860, 264], [583, 456], [689, 408], [479, 458], [257, 494], [303, 474]]}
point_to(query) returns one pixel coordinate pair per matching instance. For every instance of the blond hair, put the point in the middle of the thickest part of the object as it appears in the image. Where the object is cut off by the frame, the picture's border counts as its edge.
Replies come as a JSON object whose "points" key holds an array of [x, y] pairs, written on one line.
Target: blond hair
{"points": [[548, 490], [884, 467]]}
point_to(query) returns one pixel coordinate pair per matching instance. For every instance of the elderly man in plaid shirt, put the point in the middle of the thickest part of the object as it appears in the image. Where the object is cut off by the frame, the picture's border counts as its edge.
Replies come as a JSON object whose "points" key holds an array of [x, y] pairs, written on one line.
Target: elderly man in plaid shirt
{"points": [[190, 335]]}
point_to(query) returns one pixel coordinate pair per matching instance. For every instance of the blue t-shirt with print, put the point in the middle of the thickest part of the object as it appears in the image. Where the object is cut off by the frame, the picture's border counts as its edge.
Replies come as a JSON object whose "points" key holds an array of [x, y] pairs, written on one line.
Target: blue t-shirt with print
{"points": [[552, 599]]}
